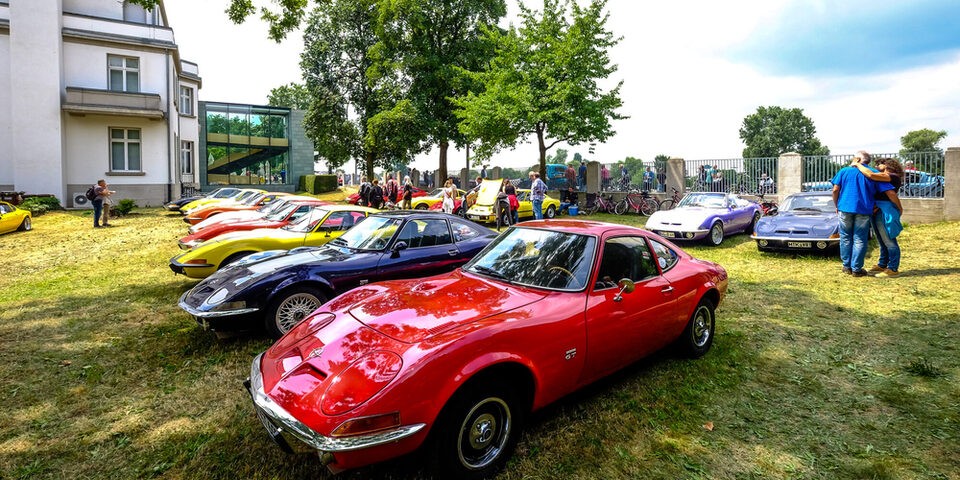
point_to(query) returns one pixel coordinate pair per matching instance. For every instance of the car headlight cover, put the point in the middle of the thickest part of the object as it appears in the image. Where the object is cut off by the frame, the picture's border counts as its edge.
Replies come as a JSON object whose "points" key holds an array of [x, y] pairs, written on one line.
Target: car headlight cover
{"points": [[360, 381], [217, 298]]}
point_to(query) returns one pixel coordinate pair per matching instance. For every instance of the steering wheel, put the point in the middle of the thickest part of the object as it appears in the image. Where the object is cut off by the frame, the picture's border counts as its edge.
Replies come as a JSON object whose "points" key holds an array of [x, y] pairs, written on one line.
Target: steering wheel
{"points": [[564, 270]]}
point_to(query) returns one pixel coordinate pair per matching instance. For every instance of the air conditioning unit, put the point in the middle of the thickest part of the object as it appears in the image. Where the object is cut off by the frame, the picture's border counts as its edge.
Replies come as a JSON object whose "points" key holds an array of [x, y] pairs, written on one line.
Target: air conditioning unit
{"points": [[79, 200]]}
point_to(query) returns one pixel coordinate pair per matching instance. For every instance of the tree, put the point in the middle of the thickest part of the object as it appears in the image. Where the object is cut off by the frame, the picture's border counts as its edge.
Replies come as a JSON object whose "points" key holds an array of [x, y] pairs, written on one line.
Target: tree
{"points": [[350, 92], [292, 95], [774, 130], [559, 157], [543, 82], [433, 42], [282, 21], [924, 140]]}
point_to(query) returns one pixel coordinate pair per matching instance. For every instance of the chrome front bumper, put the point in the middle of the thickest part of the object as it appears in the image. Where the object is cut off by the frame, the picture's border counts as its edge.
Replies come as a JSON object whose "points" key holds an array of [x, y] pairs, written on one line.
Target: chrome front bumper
{"points": [[795, 239], [277, 421], [206, 314]]}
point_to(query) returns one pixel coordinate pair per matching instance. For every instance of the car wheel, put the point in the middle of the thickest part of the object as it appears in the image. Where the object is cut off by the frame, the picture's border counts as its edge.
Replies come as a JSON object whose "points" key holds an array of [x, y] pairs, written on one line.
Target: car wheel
{"points": [[715, 237], [292, 306], [477, 432], [551, 212], [26, 226], [421, 206], [753, 222], [697, 337]]}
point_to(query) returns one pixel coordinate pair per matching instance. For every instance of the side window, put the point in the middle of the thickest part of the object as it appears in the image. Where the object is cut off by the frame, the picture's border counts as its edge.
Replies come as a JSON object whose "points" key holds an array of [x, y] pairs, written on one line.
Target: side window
{"points": [[625, 257], [341, 220], [463, 231], [5, 209], [665, 257], [299, 212], [425, 233], [522, 196]]}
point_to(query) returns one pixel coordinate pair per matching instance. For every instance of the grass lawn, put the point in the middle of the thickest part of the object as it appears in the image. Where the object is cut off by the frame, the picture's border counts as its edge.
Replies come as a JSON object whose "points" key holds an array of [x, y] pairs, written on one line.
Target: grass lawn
{"points": [[812, 374]]}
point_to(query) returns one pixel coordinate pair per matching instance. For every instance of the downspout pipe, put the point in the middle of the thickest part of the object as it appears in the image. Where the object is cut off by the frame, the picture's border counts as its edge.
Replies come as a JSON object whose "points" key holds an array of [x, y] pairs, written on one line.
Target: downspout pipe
{"points": [[169, 152]]}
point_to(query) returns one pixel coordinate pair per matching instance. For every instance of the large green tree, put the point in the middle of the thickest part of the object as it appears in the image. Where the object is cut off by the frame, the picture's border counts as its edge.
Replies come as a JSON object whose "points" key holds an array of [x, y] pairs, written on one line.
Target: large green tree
{"points": [[292, 95], [349, 89], [543, 82], [772, 131], [923, 140], [433, 42]]}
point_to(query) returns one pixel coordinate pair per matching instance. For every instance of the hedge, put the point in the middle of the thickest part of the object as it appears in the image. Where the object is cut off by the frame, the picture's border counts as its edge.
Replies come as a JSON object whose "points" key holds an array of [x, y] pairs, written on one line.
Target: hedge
{"points": [[317, 183], [40, 205]]}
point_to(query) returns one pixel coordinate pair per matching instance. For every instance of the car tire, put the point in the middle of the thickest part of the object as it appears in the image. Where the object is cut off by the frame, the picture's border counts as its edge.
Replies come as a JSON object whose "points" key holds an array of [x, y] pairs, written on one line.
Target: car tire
{"points": [[291, 306], [26, 225], [421, 206], [715, 235], [477, 432], [753, 223], [697, 337], [551, 212]]}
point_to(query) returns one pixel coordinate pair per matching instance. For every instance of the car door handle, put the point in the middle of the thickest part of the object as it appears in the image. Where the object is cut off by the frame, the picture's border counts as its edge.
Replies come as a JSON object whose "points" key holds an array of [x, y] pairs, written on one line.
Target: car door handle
{"points": [[666, 290], [453, 252]]}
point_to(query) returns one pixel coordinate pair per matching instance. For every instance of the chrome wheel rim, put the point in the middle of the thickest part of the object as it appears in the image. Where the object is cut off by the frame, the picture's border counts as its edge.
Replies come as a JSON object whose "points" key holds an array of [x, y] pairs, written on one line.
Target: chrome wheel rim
{"points": [[294, 309], [26, 224], [716, 234], [702, 326], [484, 433], [550, 212]]}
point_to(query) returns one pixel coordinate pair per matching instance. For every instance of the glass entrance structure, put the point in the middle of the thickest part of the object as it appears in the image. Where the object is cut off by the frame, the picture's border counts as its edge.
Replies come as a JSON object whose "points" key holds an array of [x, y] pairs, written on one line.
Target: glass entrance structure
{"points": [[246, 144]]}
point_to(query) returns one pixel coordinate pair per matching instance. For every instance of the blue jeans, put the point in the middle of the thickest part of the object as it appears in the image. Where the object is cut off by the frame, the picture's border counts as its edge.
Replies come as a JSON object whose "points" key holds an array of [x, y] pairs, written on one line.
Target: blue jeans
{"points": [[889, 247], [97, 211], [537, 209], [854, 232]]}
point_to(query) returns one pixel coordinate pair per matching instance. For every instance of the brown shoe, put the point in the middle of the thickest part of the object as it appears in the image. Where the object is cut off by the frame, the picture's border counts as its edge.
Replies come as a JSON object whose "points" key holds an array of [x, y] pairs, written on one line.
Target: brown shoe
{"points": [[859, 273], [887, 273], [846, 271], [876, 268]]}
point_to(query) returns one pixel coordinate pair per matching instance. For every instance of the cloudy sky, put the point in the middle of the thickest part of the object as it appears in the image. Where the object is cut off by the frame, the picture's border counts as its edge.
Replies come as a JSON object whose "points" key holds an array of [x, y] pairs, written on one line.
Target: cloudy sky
{"points": [[866, 72]]}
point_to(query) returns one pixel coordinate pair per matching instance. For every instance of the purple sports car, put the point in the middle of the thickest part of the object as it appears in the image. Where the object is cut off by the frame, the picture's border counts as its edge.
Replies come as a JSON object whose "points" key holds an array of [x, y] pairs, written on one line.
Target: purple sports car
{"points": [[807, 222], [708, 216]]}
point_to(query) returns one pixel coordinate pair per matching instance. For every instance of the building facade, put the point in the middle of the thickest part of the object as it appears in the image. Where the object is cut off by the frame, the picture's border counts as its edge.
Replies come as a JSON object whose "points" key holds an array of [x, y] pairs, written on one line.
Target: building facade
{"points": [[95, 89]]}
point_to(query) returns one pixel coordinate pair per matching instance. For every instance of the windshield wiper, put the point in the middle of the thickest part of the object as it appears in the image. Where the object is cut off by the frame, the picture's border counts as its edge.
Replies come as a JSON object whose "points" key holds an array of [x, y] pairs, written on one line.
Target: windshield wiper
{"points": [[491, 272]]}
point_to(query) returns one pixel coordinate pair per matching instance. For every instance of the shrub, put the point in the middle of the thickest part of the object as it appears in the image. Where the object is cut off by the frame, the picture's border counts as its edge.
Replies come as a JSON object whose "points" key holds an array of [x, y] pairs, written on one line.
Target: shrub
{"points": [[317, 183], [123, 207], [40, 205]]}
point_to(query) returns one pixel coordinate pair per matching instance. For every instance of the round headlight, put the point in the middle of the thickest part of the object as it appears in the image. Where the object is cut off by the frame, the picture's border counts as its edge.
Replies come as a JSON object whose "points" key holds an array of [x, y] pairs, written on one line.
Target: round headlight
{"points": [[821, 245], [217, 298], [763, 243], [360, 382], [689, 234]]}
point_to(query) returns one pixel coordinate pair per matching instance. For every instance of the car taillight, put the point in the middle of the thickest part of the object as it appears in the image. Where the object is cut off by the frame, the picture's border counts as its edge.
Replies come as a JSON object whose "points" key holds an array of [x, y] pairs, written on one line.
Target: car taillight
{"points": [[360, 426], [306, 327], [360, 381]]}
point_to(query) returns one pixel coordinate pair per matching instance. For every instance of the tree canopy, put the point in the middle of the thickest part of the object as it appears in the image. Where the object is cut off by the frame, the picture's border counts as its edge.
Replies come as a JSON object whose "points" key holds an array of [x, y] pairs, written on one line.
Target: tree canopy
{"points": [[923, 140], [772, 131], [292, 95], [543, 82]]}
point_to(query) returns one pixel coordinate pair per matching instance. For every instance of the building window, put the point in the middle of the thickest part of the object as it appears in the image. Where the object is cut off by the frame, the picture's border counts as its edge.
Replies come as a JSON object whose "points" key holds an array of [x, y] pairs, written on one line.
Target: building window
{"points": [[124, 73], [124, 150], [186, 158], [186, 101]]}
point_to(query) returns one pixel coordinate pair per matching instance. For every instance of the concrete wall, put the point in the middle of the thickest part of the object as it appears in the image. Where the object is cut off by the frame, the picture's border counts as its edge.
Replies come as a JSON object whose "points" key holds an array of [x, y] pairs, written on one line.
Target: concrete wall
{"points": [[922, 210], [951, 185], [6, 157], [85, 65], [97, 8], [145, 195]]}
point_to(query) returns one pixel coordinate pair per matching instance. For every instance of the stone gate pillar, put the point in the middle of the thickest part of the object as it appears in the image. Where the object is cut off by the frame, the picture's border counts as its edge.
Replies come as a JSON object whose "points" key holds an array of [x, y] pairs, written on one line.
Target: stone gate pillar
{"points": [[495, 172], [676, 177], [789, 175], [951, 184], [593, 177]]}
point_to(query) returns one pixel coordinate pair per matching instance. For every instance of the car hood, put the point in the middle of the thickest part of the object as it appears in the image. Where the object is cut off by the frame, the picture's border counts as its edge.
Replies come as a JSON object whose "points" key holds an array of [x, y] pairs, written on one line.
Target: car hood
{"points": [[688, 217], [275, 233], [819, 223], [411, 311]]}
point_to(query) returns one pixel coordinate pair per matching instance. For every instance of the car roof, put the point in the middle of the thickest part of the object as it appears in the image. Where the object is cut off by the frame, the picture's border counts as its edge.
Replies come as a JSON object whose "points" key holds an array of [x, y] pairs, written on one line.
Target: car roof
{"points": [[350, 208], [589, 227], [812, 194]]}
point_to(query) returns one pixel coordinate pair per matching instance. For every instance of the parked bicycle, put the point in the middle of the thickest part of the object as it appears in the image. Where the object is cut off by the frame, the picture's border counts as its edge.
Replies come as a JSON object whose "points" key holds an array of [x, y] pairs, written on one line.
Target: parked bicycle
{"points": [[601, 205], [670, 202], [641, 202]]}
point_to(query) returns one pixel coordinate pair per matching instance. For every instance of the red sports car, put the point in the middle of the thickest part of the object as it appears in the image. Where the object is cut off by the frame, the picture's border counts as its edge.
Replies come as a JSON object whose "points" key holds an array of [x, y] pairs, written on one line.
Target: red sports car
{"points": [[352, 199], [459, 360], [286, 214]]}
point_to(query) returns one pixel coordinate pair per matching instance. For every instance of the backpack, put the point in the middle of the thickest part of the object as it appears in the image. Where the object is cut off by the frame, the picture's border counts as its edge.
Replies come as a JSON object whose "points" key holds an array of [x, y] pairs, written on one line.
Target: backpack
{"points": [[91, 193]]}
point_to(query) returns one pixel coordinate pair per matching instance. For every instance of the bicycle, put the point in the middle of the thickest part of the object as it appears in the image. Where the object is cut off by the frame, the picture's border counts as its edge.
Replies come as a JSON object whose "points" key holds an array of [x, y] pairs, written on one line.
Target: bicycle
{"points": [[670, 202], [601, 204], [642, 202]]}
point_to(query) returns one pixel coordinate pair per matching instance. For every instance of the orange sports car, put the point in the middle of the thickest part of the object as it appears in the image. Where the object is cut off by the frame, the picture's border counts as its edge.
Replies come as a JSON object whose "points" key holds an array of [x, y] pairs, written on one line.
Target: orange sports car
{"points": [[252, 203]]}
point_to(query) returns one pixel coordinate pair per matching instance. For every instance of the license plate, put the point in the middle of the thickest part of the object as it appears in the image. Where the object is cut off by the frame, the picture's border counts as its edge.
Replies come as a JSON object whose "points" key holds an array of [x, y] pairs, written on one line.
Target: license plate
{"points": [[799, 244], [668, 234]]}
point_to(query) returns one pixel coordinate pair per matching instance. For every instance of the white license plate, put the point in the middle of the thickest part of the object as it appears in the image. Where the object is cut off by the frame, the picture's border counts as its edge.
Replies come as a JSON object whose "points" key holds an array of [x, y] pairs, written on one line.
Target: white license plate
{"points": [[668, 234], [799, 244]]}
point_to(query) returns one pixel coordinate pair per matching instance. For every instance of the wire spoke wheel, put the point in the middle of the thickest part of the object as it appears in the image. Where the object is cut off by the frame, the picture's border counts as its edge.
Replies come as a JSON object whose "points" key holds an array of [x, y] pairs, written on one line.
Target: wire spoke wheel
{"points": [[295, 308]]}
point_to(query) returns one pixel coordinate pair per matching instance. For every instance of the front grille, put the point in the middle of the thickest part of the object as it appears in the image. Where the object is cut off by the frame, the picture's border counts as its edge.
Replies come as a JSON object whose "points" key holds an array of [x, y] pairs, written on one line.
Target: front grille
{"points": [[797, 232]]}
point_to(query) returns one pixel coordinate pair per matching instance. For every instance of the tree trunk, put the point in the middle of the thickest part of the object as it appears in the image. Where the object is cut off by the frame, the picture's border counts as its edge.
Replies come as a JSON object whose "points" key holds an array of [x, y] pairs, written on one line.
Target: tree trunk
{"points": [[543, 156], [369, 166], [444, 145]]}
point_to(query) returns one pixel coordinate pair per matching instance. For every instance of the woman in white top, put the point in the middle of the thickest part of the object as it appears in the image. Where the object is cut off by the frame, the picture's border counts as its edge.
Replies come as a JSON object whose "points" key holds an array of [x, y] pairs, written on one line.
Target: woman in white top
{"points": [[449, 192]]}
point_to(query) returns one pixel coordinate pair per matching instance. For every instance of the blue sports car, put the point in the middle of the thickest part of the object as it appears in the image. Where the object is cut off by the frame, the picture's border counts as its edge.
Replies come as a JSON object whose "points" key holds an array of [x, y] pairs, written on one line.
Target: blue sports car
{"points": [[806, 222], [279, 288]]}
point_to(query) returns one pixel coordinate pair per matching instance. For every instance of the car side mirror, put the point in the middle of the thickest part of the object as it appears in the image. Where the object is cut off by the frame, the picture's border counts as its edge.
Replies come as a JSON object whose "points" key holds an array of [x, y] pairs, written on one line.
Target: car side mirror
{"points": [[399, 246], [626, 286]]}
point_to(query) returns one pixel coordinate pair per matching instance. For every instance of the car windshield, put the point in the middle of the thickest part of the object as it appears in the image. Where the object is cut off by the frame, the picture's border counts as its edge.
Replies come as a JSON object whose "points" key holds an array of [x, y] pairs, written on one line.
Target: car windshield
{"points": [[809, 203], [436, 192], [374, 233], [308, 222], [703, 200], [537, 258], [243, 196], [271, 206], [224, 193], [280, 213], [253, 199]]}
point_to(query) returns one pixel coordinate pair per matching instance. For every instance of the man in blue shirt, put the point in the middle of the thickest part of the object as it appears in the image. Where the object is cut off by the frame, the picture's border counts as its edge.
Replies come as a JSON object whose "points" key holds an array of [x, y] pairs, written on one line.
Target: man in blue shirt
{"points": [[853, 195]]}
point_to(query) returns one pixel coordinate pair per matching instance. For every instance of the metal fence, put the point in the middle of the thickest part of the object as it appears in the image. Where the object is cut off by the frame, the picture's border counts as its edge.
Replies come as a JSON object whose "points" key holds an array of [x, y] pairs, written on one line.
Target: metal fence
{"points": [[923, 172], [734, 175], [632, 177]]}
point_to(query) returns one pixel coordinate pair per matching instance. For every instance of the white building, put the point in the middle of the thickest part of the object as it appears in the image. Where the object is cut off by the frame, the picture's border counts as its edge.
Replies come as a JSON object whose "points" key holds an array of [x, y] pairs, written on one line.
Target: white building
{"points": [[95, 89]]}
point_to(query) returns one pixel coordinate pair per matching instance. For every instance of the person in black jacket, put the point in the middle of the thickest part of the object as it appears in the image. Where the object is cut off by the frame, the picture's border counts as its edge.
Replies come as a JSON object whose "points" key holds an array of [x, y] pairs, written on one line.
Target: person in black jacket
{"points": [[376, 194], [407, 194]]}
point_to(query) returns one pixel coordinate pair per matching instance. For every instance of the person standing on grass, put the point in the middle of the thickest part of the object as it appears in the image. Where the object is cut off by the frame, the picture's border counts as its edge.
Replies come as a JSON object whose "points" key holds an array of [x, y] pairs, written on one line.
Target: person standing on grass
{"points": [[375, 195], [886, 215], [483, 172], [661, 180], [364, 192], [571, 175], [582, 175], [449, 193], [604, 177], [853, 195], [407, 193], [511, 191], [101, 204], [538, 192]]}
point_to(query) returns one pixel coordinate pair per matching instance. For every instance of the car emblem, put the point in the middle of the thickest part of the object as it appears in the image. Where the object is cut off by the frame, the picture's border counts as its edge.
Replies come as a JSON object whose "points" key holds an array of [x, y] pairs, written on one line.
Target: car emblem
{"points": [[315, 353], [364, 282], [570, 354]]}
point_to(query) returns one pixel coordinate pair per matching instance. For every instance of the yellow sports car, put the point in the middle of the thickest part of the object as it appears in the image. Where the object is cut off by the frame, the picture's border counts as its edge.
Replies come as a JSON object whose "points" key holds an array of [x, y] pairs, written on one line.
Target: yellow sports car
{"points": [[482, 211], [13, 218], [432, 198], [322, 224], [237, 197]]}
